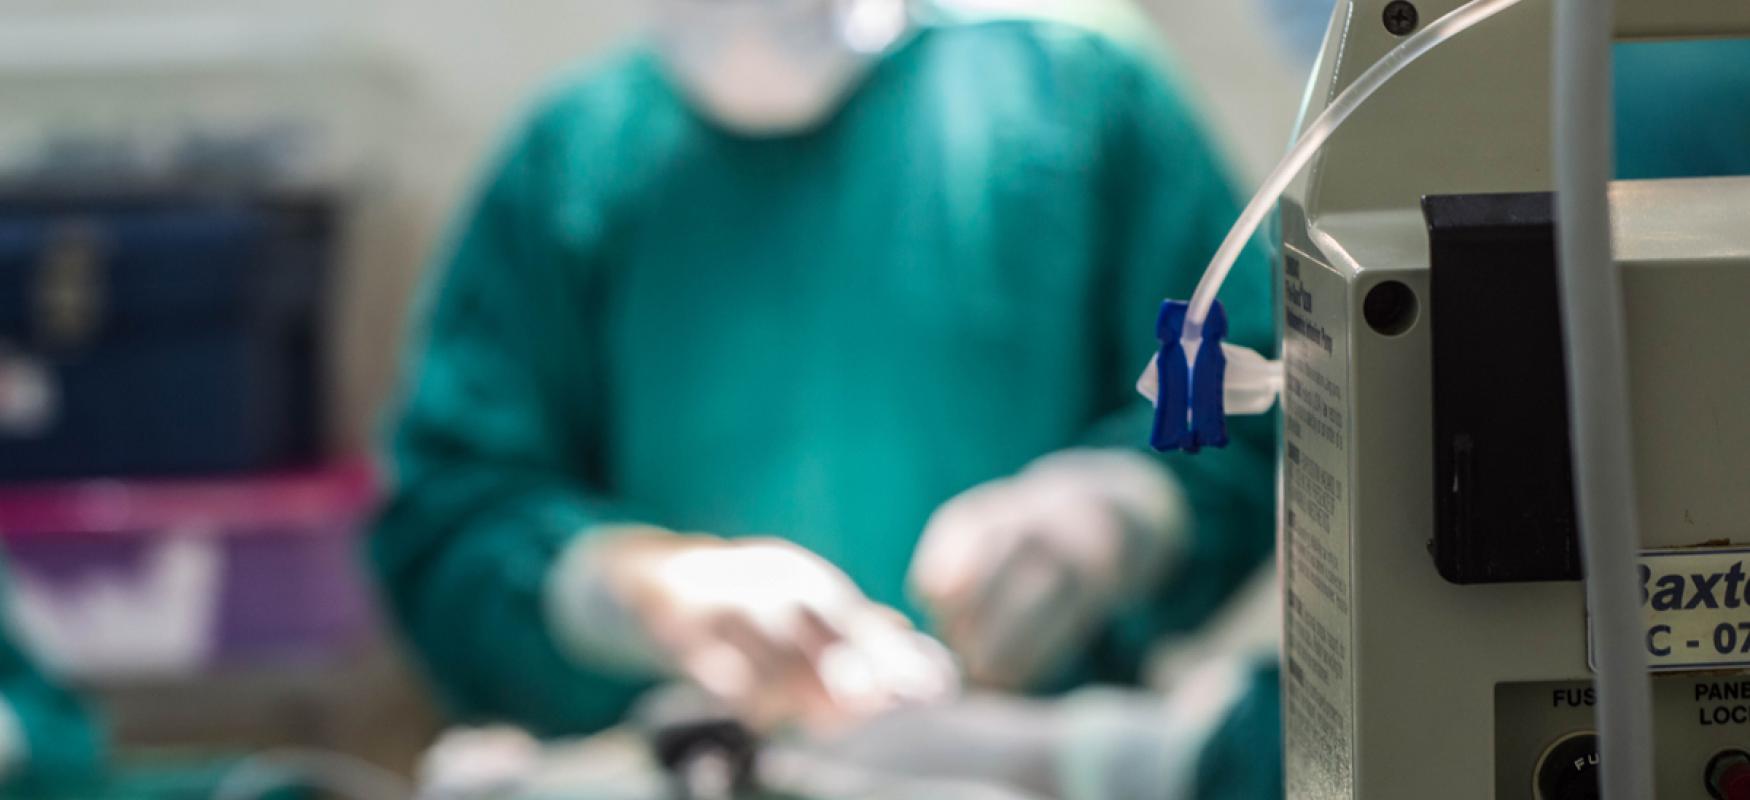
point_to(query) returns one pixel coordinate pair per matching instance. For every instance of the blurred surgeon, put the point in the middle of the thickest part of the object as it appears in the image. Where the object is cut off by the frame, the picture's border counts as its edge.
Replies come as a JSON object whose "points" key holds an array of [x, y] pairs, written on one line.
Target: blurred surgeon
{"points": [[797, 325]]}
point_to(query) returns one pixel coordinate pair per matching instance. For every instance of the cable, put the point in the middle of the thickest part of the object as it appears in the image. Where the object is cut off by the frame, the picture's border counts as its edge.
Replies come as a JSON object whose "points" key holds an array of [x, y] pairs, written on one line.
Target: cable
{"points": [[1598, 393]]}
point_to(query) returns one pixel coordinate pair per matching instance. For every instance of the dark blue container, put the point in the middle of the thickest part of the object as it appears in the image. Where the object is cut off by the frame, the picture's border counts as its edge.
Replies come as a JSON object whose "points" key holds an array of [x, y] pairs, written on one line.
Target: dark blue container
{"points": [[160, 335]]}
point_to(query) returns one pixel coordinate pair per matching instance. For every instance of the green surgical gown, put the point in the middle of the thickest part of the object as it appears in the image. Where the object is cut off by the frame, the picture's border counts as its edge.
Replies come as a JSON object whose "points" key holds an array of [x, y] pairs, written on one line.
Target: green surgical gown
{"points": [[820, 337], [1683, 109], [64, 747]]}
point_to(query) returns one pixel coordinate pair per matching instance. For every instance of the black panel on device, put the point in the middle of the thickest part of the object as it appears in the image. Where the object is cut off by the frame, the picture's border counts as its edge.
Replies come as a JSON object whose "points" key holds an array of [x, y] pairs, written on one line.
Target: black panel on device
{"points": [[1504, 488]]}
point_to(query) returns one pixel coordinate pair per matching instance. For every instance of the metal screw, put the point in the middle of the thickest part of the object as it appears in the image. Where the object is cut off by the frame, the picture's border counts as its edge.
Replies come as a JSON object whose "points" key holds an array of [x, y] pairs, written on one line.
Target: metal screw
{"points": [[1401, 17]]}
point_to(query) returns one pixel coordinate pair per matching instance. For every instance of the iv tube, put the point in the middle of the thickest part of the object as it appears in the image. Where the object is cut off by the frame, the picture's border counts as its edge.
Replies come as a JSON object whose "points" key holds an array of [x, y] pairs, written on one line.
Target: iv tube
{"points": [[1315, 136]]}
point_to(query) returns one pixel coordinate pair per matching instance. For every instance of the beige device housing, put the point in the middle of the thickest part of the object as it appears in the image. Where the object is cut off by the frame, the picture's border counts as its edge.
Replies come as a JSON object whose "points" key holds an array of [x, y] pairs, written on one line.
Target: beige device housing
{"points": [[1399, 684]]}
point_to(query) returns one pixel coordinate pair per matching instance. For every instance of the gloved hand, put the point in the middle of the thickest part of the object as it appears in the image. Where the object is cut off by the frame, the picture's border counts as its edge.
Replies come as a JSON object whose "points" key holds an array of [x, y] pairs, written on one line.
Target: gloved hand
{"points": [[770, 629], [1021, 570]]}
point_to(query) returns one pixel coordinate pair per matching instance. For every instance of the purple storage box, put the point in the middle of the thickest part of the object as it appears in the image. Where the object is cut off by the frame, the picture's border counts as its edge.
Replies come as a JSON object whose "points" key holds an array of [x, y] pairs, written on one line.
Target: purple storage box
{"points": [[291, 584]]}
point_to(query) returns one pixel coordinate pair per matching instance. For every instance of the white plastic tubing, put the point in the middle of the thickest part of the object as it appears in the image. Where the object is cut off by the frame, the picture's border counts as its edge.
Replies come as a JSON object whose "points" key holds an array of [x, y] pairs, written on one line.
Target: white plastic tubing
{"points": [[1313, 138], [1598, 393]]}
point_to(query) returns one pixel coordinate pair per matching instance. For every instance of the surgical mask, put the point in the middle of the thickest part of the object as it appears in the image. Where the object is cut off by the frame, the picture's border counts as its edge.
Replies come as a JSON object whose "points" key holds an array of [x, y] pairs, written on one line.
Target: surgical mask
{"points": [[772, 67]]}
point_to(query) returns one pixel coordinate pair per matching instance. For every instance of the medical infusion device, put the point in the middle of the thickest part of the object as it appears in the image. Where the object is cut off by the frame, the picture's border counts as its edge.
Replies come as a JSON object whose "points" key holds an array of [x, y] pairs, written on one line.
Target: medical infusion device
{"points": [[1436, 641]]}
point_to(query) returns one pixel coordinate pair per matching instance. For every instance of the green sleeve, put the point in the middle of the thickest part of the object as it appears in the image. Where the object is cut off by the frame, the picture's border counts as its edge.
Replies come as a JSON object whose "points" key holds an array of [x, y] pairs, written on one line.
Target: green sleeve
{"points": [[495, 454], [1171, 203], [1681, 109], [64, 748], [1243, 757]]}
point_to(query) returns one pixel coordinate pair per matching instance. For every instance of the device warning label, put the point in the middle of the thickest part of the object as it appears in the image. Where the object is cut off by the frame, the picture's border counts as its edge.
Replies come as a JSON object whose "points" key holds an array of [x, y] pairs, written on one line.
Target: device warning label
{"points": [[1319, 722], [1697, 606]]}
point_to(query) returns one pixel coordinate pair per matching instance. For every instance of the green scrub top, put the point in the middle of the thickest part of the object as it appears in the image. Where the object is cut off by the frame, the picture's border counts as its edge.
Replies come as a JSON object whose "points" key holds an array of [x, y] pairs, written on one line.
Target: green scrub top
{"points": [[1244, 757], [820, 337], [63, 746], [1683, 109]]}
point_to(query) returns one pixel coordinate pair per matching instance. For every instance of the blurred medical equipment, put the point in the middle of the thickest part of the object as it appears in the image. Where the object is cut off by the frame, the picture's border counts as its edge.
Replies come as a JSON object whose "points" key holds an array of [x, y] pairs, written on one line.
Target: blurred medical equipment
{"points": [[163, 171], [128, 580], [1020, 570], [156, 620], [1438, 641], [688, 748], [159, 333], [1095, 744], [766, 67], [764, 625], [1102, 744], [201, 618]]}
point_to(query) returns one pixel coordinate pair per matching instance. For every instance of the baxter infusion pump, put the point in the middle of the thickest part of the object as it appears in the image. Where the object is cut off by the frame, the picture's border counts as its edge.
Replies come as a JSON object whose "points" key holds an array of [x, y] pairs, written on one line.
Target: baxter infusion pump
{"points": [[1436, 641]]}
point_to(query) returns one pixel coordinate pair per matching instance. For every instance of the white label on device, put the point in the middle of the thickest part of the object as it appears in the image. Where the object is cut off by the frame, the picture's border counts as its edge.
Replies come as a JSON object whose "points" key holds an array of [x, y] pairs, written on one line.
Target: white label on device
{"points": [[1317, 532], [1697, 606]]}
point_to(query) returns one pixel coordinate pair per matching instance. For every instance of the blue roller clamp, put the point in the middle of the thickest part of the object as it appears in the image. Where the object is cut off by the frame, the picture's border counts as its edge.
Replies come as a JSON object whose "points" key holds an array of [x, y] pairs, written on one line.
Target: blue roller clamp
{"points": [[1188, 413]]}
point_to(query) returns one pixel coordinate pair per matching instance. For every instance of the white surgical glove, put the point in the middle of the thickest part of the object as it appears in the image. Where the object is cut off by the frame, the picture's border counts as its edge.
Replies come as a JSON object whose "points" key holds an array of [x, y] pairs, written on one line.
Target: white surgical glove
{"points": [[1019, 571], [772, 630]]}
